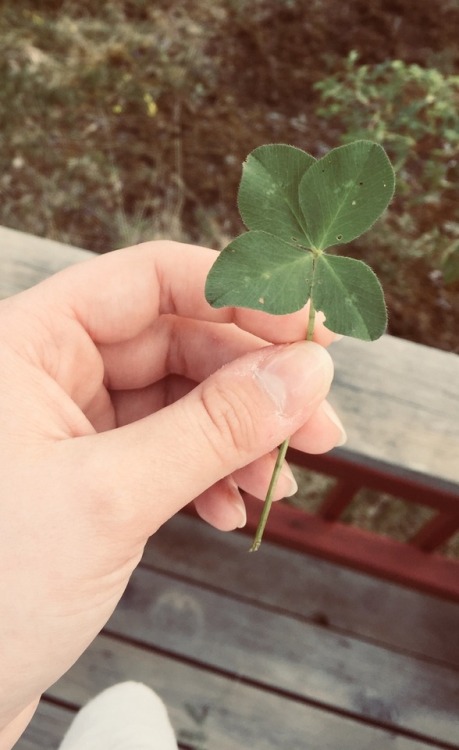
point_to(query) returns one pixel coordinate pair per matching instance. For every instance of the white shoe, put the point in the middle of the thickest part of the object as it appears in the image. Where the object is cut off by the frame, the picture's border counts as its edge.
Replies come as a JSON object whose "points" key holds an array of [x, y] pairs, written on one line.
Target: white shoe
{"points": [[127, 716]]}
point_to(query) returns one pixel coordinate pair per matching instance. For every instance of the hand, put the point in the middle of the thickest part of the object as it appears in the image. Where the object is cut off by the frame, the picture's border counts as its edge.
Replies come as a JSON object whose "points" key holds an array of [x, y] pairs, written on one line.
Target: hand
{"points": [[124, 396]]}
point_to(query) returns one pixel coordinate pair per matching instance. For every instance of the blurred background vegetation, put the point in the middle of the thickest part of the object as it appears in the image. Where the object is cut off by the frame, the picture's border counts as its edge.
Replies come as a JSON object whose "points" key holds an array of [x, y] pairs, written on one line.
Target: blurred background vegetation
{"points": [[128, 120]]}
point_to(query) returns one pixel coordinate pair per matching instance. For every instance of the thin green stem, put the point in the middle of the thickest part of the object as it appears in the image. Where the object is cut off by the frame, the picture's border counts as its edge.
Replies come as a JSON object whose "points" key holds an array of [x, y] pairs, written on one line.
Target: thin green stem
{"points": [[311, 322], [280, 459], [269, 496]]}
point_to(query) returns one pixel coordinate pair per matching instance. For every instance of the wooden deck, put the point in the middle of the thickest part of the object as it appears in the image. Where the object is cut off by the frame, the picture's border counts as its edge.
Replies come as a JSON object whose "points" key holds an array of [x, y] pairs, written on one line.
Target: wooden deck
{"points": [[282, 649], [268, 651]]}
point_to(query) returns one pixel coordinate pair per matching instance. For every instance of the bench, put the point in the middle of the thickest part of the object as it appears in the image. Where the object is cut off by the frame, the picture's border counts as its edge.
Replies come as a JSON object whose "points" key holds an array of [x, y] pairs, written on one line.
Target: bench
{"points": [[311, 643]]}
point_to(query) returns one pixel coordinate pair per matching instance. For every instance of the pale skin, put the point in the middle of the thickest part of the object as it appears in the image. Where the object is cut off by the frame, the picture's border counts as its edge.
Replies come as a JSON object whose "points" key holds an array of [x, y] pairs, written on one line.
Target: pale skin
{"points": [[123, 397]]}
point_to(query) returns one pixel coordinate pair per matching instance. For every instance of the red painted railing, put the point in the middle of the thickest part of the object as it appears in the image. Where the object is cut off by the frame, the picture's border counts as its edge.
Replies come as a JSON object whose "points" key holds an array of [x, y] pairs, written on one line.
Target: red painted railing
{"points": [[415, 563]]}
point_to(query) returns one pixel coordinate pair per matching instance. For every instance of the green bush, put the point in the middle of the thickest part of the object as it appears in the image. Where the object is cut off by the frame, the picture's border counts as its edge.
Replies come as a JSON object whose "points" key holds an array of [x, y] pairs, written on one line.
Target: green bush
{"points": [[414, 113]]}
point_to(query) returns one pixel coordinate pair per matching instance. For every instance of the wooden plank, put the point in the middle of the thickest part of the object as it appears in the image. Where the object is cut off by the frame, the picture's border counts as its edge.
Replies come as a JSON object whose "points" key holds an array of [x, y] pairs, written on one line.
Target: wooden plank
{"points": [[435, 532], [298, 658], [399, 403], [47, 728], [304, 586], [360, 549], [210, 711], [25, 259]]}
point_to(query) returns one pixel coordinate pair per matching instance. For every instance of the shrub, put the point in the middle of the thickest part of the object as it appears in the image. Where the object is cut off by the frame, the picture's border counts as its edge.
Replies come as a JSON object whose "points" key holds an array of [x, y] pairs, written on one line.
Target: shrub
{"points": [[414, 113]]}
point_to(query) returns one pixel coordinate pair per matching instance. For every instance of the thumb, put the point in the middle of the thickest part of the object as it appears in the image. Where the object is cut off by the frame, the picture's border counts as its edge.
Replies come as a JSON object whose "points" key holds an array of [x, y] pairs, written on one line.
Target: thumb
{"points": [[241, 412]]}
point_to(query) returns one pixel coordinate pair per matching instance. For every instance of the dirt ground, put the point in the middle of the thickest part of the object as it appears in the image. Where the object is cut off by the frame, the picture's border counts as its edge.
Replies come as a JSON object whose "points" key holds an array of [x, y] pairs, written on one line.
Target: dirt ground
{"points": [[265, 94], [129, 119]]}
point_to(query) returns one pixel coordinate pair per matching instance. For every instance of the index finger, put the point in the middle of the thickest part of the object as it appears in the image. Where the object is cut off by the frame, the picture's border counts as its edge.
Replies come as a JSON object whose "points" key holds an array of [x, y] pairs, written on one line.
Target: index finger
{"points": [[118, 295]]}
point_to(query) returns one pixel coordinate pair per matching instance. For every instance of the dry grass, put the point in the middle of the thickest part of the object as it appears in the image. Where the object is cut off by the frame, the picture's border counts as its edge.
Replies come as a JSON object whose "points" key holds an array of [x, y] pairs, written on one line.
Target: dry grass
{"points": [[130, 119], [84, 106]]}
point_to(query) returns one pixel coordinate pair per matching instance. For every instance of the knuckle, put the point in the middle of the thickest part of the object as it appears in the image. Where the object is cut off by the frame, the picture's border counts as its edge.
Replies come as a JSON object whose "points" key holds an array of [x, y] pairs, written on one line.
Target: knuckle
{"points": [[231, 419]]}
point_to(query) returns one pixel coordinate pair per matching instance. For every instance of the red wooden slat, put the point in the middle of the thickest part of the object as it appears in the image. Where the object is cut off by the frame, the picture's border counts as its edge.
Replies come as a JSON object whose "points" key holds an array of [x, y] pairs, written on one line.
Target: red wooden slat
{"points": [[411, 486], [435, 532], [337, 499], [361, 550], [410, 564]]}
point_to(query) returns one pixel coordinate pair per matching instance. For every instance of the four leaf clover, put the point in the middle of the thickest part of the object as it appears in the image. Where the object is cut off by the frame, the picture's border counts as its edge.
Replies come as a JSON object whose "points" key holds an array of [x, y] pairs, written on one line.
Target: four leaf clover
{"points": [[295, 207]]}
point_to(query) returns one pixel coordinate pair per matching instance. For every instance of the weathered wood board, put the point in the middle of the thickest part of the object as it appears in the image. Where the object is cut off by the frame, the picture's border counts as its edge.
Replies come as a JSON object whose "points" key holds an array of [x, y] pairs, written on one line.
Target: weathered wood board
{"points": [[47, 728], [400, 404], [238, 662], [306, 587], [304, 660], [207, 710], [25, 260]]}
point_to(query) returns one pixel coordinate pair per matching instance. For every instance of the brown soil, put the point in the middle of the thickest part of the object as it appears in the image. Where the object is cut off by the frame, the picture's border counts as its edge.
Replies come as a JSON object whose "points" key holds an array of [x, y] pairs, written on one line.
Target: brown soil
{"points": [[264, 64], [83, 163]]}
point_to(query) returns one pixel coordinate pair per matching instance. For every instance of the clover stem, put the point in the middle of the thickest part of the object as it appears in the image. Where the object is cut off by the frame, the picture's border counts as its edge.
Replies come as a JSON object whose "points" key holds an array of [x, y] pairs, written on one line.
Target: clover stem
{"points": [[311, 322], [269, 496], [280, 459]]}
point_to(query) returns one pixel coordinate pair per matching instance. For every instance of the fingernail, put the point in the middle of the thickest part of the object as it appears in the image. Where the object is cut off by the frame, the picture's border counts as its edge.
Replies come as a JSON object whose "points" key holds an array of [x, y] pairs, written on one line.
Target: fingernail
{"points": [[291, 486], [242, 512], [237, 502], [295, 374], [333, 417], [320, 318]]}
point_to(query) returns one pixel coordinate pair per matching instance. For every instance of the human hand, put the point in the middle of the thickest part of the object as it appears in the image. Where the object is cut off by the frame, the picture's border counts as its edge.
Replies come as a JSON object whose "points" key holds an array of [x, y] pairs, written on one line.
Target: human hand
{"points": [[124, 396]]}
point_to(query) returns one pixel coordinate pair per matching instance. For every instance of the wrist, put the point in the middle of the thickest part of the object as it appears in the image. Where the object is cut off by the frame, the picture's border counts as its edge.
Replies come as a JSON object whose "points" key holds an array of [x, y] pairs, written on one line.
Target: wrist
{"points": [[11, 732]]}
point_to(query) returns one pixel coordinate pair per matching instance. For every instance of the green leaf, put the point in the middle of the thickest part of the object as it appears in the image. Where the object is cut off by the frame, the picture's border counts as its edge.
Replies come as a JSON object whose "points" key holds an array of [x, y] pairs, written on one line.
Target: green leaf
{"points": [[295, 207], [350, 296], [343, 194], [268, 194], [262, 272]]}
